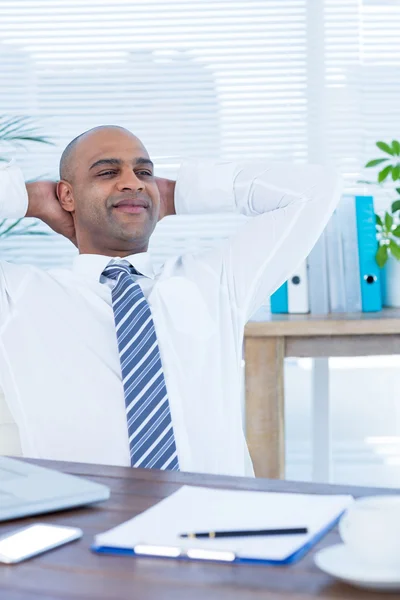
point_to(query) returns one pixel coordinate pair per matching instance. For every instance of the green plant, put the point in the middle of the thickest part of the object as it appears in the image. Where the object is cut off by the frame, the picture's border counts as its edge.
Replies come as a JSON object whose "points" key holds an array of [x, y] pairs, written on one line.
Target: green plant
{"points": [[17, 131], [17, 227], [388, 224]]}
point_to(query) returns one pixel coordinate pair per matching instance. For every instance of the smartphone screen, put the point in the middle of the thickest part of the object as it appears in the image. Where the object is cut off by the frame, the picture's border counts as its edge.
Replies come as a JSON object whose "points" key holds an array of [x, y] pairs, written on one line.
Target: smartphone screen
{"points": [[32, 540]]}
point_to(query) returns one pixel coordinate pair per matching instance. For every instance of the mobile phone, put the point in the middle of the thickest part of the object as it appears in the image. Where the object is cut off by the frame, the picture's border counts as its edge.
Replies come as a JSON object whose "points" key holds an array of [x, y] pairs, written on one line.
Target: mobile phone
{"points": [[24, 543]]}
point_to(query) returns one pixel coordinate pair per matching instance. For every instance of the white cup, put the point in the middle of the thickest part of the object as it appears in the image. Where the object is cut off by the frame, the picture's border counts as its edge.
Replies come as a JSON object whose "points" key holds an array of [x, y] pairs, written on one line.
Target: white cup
{"points": [[371, 530]]}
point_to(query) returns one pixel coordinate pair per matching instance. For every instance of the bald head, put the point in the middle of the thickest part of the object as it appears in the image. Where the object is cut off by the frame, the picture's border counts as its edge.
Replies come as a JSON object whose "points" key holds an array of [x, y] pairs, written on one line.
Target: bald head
{"points": [[108, 185], [69, 156]]}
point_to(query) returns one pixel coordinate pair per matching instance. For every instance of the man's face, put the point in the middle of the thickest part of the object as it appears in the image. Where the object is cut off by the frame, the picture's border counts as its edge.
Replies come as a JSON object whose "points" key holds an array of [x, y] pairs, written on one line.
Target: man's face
{"points": [[113, 193]]}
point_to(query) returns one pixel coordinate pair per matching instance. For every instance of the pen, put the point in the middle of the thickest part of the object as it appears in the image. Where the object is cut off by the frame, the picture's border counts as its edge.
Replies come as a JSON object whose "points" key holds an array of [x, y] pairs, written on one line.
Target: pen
{"points": [[245, 532]]}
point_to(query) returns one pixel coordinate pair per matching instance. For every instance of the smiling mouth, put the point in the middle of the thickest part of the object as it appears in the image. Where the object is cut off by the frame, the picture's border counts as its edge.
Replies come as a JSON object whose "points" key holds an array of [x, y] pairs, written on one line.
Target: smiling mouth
{"points": [[131, 206]]}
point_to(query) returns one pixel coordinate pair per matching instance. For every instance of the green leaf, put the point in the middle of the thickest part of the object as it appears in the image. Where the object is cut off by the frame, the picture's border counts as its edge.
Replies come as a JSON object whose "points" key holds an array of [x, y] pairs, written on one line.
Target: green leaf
{"points": [[394, 249], [32, 138], [388, 221], [381, 256], [8, 124], [384, 173], [19, 227], [375, 162], [6, 232], [396, 147], [385, 148], [395, 206], [396, 231], [20, 129], [396, 172], [398, 190], [378, 220], [32, 233]]}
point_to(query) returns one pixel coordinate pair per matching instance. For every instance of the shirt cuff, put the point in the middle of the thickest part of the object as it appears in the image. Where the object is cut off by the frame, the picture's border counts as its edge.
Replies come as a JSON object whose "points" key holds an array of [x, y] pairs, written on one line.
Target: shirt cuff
{"points": [[205, 187], [13, 194]]}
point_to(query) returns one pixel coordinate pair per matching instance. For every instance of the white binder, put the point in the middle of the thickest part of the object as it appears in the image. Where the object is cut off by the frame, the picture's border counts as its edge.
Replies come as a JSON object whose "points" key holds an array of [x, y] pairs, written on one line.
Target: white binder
{"points": [[337, 297], [297, 288], [347, 223], [318, 278]]}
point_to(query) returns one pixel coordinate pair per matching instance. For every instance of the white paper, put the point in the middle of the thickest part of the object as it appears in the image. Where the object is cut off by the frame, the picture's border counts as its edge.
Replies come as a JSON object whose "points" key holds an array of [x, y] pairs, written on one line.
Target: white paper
{"points": [[195, 509]]}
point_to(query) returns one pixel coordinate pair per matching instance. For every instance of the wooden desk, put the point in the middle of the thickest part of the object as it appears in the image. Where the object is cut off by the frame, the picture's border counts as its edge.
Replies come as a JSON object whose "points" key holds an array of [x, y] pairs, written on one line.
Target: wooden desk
{"points": [[267, 344], [73, 572]]}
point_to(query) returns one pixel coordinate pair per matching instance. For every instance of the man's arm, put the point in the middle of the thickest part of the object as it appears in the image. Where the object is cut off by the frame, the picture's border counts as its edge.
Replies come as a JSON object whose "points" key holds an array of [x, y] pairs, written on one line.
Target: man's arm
{"points": [[13, 205], [43, 204], [289, 206], [18, 200], [37, 199], [13, 195], [166, 187]]}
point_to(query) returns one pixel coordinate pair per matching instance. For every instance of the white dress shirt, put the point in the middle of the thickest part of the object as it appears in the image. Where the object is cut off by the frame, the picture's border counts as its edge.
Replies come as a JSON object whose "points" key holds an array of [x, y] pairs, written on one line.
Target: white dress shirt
{"points": [[59, 363]]}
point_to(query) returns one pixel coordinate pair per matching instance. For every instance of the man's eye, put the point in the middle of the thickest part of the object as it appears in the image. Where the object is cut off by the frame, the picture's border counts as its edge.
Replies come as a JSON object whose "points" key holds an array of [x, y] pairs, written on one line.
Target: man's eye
{"points": [[145, 173], [106, 173]]}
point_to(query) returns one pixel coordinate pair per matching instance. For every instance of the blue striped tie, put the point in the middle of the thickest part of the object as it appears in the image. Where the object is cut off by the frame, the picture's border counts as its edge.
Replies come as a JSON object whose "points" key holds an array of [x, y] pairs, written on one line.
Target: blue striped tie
{"points": [[151, 436]]}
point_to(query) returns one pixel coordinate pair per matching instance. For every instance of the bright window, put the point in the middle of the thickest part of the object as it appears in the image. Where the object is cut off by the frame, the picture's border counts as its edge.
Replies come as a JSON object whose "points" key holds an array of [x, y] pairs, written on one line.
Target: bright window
{"points": [[293, 80]]}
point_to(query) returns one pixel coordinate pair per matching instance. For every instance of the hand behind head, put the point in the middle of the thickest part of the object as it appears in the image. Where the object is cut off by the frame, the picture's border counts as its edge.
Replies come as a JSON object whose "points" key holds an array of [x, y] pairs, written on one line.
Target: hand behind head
{"points": [[44, 205]]}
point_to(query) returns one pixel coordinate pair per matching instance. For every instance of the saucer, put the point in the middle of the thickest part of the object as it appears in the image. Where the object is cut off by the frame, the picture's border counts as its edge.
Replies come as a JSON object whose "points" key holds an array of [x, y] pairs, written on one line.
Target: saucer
{"points": [[339, 562]]}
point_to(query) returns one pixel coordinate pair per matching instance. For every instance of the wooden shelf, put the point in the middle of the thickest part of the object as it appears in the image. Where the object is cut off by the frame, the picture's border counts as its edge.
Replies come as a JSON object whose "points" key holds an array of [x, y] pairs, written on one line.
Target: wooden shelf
{"points": [[384, 322]]}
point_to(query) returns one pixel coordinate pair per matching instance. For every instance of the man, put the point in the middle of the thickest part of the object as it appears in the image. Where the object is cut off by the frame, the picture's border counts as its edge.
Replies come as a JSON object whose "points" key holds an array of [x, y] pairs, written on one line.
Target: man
{"points": [[115, 363]]}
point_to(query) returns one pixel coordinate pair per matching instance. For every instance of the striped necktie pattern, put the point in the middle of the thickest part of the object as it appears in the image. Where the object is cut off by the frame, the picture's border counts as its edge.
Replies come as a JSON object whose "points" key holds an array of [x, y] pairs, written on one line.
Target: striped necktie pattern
{"points": [[150, 431]]}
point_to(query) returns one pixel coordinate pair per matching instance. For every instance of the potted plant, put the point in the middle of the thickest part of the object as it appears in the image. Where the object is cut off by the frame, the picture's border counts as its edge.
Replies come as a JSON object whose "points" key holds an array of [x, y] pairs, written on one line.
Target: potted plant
{"points": [[388, 224], [14, 132]]}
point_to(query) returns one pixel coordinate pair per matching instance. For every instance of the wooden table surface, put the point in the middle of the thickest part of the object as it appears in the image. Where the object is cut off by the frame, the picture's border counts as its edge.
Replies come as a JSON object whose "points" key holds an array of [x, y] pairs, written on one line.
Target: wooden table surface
{"points": [[73, 572], [386, 321]]}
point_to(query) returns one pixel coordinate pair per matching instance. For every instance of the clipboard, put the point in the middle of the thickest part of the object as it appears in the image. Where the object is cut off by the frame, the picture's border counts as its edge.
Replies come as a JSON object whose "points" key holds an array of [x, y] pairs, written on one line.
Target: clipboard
{"points": [[155, 533]]}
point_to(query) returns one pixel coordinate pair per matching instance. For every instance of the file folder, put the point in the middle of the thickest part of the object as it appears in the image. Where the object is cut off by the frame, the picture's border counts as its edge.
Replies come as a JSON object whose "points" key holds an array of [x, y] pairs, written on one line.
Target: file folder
{"points": [[156, 532], [371, 298], [297, 290], [318, 278], [279, 300], [337, 298], [347, 219], [292, 296]]}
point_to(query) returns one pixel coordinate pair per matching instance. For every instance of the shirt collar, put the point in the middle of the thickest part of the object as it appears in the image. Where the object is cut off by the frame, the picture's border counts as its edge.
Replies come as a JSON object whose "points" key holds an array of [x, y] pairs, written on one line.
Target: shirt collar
{"points": [[92, 265]]}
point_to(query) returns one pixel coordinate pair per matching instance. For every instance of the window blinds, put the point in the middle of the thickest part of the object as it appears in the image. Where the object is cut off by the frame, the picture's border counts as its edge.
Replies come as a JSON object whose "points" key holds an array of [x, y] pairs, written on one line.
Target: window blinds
{"points": [[292, 80]]}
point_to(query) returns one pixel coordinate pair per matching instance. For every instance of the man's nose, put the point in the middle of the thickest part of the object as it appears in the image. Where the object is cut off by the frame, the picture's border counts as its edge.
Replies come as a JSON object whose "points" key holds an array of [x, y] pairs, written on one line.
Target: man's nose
{"points": [[128, 180]]}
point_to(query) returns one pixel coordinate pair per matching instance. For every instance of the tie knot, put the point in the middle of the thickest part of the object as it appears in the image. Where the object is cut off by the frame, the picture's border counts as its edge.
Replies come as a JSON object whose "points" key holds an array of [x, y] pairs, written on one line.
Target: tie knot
{"points": [[114, 269]]}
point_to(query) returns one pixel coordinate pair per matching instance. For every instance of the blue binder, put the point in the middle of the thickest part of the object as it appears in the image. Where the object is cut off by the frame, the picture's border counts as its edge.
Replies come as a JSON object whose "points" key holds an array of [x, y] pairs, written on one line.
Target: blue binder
{"points": [[371, 298], [279, 300]]}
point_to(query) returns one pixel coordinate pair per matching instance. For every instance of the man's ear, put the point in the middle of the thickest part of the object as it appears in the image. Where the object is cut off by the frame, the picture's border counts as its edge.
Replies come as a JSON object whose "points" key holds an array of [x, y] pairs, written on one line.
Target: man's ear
{"points": [[65, 195]]}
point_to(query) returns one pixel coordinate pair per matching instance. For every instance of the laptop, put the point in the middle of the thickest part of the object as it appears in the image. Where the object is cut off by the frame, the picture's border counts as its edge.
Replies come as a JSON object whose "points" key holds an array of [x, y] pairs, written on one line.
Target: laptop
{"points": [[26, 489]]}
